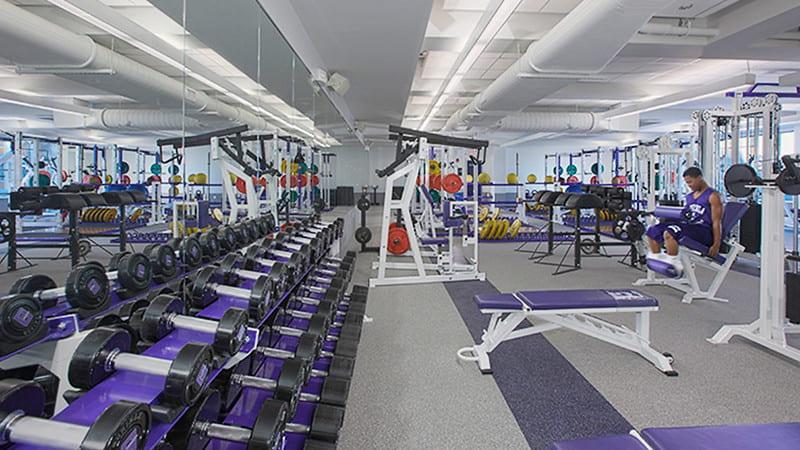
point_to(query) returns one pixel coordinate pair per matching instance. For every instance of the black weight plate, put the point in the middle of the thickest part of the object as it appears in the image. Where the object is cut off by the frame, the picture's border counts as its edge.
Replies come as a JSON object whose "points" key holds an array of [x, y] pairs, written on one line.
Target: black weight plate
{"points": [[242, 238], [335, 391], [231, 332], [32, 283], [201, 296], [261, 296], [155, 320], [114, 263], [84, 247], [252, 231], [188, 374], [346, 347], [162, 260], [227, 239], [294, 374], [261, 223], [87, 287], [319, 324], [308, 346], [228, 263], [327, 308], [88, 367], [363, 204], [228, 387], [787, 184], [334, 295], [363, 235], [21, 319], [135, 272], [27, 397], [738, 177], [191, 252], [327, 422], [279, 274], [210, 244], [268, 429], [184, 435], [122, 426]]}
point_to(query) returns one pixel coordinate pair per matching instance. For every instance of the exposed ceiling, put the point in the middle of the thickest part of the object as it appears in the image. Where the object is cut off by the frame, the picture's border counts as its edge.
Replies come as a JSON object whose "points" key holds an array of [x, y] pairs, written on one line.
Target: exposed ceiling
{"points": [[685, 45]]}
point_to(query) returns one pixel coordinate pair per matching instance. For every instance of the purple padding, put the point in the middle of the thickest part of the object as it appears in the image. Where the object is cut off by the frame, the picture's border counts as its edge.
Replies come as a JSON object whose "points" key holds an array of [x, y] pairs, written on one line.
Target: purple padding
{"points": [[434, 241], [616, 442], [586, 299], [691, 244], [777, 436], [498, 301], [669, 212]]}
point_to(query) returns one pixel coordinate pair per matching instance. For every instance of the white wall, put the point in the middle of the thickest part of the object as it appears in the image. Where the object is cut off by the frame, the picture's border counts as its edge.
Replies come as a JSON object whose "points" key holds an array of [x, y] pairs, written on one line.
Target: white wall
{"points": [[531, 159]]}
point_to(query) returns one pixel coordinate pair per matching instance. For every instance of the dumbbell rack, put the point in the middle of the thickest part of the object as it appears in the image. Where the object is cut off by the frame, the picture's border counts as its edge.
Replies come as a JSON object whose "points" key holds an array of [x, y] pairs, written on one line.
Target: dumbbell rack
{"points": [[147, 388]]}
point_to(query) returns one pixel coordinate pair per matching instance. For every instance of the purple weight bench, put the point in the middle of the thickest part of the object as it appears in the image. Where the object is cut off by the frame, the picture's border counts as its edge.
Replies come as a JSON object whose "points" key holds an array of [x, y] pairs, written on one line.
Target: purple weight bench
{"points": [[694, 253], [575, 310], [777, 436]]}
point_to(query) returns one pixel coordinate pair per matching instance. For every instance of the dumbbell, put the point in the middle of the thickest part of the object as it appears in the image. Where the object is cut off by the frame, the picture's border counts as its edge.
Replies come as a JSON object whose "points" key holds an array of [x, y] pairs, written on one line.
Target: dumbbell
{"points": [[226, 238], [209, 243], [255, 259], [356, 298], [287, 240], [163, 262], [287, 384], [206, 286], [22, 322], [199, 425], [233, 267], [133, 272], [306, 349], [188, 250], [342, 324], [87, 288], [165, 314], [123, 425], [344, 346], [106, 350]]}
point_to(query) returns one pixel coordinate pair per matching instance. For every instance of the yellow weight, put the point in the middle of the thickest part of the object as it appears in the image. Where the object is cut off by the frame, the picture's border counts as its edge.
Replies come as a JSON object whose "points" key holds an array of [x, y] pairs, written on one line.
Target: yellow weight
{"points": [[496, 214], [515, 227], [512, 178], [434, 167], [176, 179], [176, 191], [201, 178], [549, 179], [216, 213], [487, 226], [178, 229], [501, 230], [497, 224], [483, 213], [532, 178], [233, 178], [484, 178], [283, 166], [193, 178], [136, 215], [111, 214], [109, 180], [295, 166], [469, 178]]}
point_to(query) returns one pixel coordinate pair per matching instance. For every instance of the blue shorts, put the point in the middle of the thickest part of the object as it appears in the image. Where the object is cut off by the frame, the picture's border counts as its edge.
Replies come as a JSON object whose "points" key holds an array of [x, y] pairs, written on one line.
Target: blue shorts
{"points": [[699, 233]]}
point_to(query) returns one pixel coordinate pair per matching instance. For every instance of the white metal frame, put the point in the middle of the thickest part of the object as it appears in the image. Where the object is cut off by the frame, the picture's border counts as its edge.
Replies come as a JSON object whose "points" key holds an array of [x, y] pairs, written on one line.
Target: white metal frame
{"points": [[445, 268], [688, 283], [503, 327]]}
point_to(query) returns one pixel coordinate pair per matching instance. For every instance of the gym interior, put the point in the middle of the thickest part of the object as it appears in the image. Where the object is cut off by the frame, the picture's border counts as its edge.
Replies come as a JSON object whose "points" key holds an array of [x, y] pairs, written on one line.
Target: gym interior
{"points": [[275, 224]]}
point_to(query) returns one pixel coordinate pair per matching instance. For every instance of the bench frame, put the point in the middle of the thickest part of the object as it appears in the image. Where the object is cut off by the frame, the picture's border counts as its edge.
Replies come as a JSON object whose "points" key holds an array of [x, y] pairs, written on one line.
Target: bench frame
{"points": [[503, 327]]}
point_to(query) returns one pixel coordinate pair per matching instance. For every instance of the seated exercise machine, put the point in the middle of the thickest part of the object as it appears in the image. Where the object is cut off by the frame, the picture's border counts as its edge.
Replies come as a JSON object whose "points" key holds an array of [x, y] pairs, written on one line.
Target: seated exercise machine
{"points": [[450, 261], [695, 254], [570, 309]]}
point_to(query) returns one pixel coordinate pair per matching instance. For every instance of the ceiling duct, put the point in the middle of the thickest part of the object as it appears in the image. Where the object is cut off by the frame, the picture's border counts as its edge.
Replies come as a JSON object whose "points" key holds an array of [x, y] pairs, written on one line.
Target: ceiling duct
{"points": [[581, 44]]}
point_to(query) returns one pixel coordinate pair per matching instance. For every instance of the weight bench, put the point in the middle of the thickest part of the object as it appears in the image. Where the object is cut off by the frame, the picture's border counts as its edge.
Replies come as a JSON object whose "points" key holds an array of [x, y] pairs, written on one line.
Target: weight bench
{"points": [[694, 253], [777, 436], [571, 309]]}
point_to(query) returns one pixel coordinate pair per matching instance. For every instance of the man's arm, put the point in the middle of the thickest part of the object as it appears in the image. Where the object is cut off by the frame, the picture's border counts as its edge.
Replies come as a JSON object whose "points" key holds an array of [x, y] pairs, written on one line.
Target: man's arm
{"points": [[716, 219]]}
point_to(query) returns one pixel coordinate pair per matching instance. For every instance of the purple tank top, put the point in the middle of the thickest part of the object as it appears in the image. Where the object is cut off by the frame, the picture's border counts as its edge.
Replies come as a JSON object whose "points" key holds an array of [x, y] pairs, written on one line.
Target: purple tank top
{"points": [[697, 211]]}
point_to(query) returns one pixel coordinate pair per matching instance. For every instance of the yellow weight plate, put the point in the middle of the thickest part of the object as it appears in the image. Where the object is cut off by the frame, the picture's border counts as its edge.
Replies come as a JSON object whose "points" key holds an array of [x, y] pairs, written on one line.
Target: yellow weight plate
{"points": [[484, 212], [216, 213], [496, 214], [515, 227], [486, 228], [136, 214], [501, 229], [434, 167]]}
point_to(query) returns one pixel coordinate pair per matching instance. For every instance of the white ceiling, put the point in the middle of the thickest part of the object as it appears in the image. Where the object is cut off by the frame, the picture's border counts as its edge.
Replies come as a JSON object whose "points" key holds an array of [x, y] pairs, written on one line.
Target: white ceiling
{"points": [[756, 36]]}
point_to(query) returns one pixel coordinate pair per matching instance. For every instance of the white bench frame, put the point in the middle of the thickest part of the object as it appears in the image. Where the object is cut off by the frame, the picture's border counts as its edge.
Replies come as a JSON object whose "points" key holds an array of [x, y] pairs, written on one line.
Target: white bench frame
{"points": [[503, 327]]}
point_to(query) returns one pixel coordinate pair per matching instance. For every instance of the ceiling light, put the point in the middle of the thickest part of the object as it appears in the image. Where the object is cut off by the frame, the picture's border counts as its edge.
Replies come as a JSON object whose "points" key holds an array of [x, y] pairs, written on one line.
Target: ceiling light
{"points": [[731, 84]]}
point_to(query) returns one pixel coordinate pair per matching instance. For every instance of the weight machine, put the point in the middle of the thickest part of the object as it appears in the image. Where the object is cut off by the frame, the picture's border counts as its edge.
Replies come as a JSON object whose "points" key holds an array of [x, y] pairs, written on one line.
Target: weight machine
{"points": [[411, 162]]}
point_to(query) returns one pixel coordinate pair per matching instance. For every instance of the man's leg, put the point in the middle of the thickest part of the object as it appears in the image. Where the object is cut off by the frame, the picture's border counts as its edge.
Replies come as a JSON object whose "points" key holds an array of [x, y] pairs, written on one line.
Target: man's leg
{"points": [[655, 237], [670, 243]]}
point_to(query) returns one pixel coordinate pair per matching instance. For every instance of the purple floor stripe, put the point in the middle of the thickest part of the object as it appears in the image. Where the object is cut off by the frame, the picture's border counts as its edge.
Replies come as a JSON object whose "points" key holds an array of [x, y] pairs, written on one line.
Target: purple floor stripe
{"points": [[550, 399]]}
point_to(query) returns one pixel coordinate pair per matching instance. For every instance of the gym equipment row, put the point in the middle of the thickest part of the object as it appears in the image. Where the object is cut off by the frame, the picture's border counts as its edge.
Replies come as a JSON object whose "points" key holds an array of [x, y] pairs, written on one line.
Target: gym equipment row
{"points": [[191, 362]]}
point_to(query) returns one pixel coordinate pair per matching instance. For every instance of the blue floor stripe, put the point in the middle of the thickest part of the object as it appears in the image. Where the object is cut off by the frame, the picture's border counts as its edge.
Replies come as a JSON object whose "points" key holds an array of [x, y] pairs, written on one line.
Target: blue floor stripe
{"points": [[550, 399]]}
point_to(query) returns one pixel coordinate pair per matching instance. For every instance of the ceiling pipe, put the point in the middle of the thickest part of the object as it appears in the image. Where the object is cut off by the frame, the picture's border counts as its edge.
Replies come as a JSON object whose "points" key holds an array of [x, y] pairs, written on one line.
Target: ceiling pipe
{"points": [[582, 43], [54, 49], [578, 122], [666, 29], [140, 119]]}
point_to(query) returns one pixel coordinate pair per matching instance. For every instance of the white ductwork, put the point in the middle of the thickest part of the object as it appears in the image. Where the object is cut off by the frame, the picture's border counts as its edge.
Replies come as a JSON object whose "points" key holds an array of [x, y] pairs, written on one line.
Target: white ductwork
{"points": [[141, 119], [581, 122], [581, 44], [34, 44], [666, 29]]}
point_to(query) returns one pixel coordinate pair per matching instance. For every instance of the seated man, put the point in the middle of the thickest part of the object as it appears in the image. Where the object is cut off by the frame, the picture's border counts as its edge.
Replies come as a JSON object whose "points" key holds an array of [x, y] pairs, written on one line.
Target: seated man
{"points": [[702, 221]]}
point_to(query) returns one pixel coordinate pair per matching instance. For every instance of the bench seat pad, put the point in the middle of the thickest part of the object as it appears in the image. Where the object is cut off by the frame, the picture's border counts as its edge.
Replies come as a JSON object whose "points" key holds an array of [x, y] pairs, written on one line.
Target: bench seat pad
{"points": [[773, 436], [567, 299], [616, 442]]}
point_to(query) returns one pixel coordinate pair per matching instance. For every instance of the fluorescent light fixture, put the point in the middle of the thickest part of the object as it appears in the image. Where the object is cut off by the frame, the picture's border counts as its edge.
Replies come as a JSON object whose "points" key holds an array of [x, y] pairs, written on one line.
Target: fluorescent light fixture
{"points": [[41, 103], [472, 51], [731, 84]]}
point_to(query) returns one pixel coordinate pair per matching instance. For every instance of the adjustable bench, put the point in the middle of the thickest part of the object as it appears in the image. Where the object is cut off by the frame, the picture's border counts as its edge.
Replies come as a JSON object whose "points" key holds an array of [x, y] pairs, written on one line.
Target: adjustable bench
{"points": [[693, 253], [571, 309], [777, 436]]}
